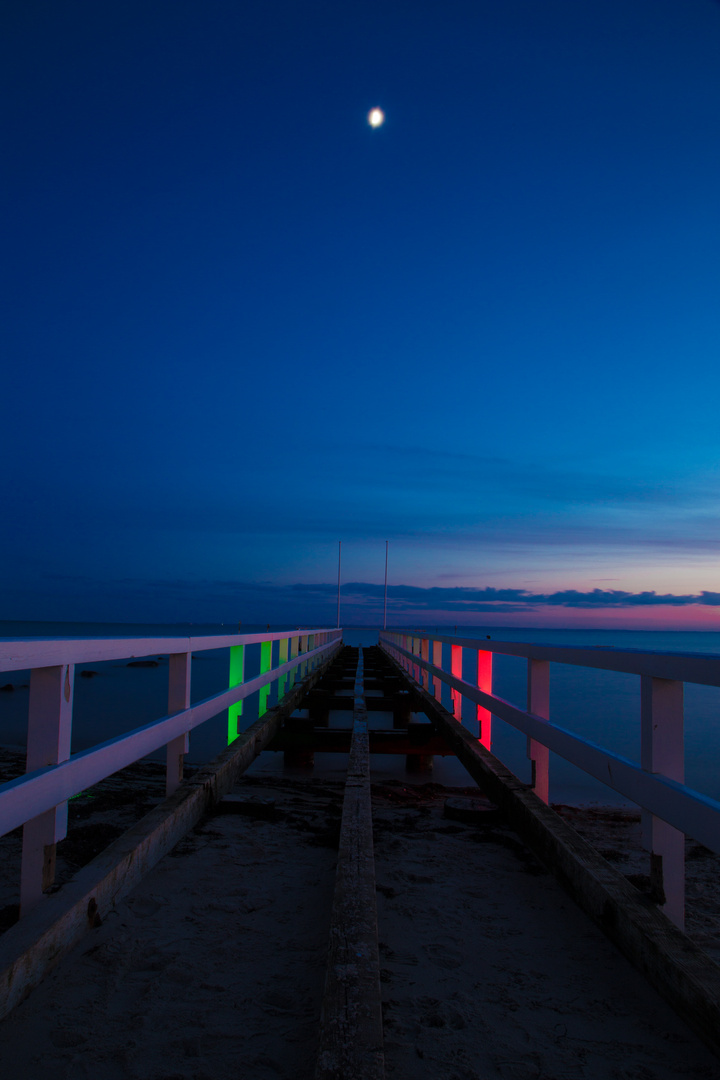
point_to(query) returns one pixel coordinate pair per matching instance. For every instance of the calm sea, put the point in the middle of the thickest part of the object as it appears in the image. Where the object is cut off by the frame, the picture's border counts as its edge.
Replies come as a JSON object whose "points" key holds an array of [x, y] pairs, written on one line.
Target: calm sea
{"points": [[603, 706]]}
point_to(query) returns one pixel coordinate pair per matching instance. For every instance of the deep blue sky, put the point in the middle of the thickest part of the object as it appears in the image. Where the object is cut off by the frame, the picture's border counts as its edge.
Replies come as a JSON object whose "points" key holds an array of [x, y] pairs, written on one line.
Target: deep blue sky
{"points": [[240, 324]]}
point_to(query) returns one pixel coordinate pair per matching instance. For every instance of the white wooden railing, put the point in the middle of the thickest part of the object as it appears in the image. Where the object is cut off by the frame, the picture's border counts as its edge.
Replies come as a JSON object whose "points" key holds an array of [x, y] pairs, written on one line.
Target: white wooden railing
{"points": [[671, 810], [38, 800]]}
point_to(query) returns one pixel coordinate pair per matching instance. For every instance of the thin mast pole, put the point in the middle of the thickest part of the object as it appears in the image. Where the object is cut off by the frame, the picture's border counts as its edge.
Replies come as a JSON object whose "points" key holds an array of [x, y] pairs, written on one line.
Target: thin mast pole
{"points": [[385, 605], [338, 604]]}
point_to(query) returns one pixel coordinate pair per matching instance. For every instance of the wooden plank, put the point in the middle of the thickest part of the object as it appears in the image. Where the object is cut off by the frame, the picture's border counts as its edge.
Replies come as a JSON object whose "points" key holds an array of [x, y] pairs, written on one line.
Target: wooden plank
{"points": [[690, 811], [36, 944], [685, 976], [320, 740], [33, 794], [351, 1035]]}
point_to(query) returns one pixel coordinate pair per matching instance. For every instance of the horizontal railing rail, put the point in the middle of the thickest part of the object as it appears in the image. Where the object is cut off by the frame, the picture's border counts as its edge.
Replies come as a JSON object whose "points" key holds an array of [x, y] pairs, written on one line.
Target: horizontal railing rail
{"points": [[686, 667], [671, 809], [38, 799]]}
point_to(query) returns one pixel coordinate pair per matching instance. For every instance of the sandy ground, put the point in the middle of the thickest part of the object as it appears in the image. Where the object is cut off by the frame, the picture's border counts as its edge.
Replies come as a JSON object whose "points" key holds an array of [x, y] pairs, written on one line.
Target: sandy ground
{"points": [[214, 966]]}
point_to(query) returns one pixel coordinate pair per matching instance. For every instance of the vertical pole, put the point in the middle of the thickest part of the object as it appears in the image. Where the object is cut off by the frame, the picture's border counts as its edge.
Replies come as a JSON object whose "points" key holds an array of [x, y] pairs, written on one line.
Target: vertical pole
{"points": [[178, 699], [538, 703], [265, 665], [303, 649], [294, 641], [484, 682], [282, 659], [48, 743], [385, 604], [425, 655], [437, 662], [662, 751], [456, 670], [338, 603], [237, 676]]}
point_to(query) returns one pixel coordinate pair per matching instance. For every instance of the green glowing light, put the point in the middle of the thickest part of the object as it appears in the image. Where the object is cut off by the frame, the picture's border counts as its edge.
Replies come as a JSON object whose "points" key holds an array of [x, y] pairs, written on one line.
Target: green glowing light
{"points": [[282, 659], [265, 665], [237, 676]]}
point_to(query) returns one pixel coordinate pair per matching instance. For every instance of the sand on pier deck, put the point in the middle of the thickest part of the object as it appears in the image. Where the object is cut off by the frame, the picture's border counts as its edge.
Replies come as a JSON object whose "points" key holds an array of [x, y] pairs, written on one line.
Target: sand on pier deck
{"points": [[214, 966]]}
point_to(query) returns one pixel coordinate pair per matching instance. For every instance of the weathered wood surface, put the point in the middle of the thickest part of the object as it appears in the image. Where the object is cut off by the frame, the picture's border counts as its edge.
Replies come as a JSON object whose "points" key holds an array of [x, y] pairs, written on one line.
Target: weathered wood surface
{"points": [[685, 976], [339, 740], [35, 944], [351, 1035]]}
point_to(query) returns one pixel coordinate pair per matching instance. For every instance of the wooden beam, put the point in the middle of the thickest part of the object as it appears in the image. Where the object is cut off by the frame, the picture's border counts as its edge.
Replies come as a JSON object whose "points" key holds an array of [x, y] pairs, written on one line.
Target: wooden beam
{"points": [[351, 1035], [685, 976], [34, 945]]}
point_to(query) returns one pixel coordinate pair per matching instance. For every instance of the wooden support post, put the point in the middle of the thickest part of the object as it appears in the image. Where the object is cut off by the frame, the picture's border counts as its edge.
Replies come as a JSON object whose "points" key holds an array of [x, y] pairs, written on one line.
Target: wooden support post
{"points": [[663, 751], [178, 699], [437, 662], [538, 703], [293, 654], [404, 660], [456, 670], [48, 743], [425, 654], [237, 676], [265, 666], [282, 659], [303, 649], [484, 682]]}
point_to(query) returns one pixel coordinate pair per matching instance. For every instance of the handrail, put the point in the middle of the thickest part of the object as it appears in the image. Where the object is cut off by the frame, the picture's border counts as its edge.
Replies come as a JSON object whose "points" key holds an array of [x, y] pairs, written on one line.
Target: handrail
{"points": [[686, 667], [38, 800], [698, 815], [17, 654], [672, 810]]}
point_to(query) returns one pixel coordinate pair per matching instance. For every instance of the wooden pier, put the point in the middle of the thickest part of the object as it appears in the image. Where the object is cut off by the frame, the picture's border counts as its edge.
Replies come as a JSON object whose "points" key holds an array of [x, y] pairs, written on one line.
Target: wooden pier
{"points": [[361, 702]]}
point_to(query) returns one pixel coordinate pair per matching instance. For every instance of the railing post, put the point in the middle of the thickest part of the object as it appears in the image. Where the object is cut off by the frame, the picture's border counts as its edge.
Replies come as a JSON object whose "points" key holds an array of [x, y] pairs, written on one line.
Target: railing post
{"points": [[237, 676], [456, 670], [425, 654], [48, 743], [265, 666], [437, 662], [311, 646], [405, 663], [663, 751], [303, 649], [538, 703], [484, 682], [282, 659], [293, 654], [178, 699]]}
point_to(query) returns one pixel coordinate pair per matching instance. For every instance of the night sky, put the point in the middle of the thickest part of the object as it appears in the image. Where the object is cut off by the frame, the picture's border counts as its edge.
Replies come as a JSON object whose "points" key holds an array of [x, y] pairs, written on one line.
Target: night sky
{"points": [[240, 324]]}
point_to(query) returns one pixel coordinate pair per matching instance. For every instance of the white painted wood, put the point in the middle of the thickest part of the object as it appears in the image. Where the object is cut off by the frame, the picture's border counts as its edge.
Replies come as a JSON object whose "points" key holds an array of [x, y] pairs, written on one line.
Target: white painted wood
{"points": [[425, 653], [48, 742], [437, 662], [691, 812], [538, 698], [456, 669], [686, 667], [663, 751], [20, 654], [26, 797], [178, 700]]}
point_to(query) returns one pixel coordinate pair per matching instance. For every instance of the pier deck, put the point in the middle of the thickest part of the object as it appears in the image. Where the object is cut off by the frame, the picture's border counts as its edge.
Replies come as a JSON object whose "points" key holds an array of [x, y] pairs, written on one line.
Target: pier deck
{"points": [[242, 951]]}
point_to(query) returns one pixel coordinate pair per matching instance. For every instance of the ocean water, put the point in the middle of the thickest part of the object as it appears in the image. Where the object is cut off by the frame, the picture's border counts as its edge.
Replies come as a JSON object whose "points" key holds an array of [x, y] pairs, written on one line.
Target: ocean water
{"points": [[603, 706]]}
